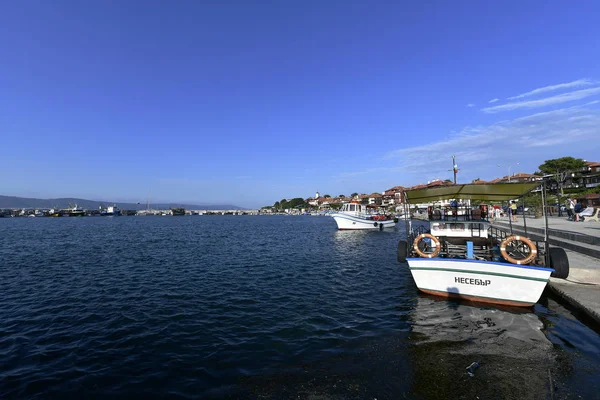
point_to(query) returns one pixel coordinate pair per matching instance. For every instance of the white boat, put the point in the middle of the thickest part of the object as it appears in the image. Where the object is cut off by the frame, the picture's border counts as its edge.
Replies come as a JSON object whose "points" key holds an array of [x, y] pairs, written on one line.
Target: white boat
{"points": [[356, 216], [456, 256], [76, 211], [111, 211]]}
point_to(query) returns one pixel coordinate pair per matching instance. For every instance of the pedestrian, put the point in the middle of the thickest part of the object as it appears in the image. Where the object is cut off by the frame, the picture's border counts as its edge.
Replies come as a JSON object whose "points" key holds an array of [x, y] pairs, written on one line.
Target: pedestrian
{"points": [[570, 205], [576, 210], [513, 210]]}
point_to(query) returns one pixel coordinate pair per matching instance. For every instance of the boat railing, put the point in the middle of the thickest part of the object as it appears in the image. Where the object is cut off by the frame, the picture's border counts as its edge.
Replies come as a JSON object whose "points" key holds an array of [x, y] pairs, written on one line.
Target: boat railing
{"points": [[498, 235]]}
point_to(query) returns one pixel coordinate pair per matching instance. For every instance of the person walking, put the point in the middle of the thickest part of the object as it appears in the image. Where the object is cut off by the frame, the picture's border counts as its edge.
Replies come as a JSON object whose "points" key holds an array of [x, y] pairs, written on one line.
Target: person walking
{"points": [[570, 207], [576, 210], [513, 210]]}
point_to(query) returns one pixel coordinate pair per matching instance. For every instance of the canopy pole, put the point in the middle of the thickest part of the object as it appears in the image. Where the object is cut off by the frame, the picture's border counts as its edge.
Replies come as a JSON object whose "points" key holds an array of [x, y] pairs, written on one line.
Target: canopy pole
{"points": [[524, 219], [544, 211], [407, 216], [509, 216], [547, 255]]}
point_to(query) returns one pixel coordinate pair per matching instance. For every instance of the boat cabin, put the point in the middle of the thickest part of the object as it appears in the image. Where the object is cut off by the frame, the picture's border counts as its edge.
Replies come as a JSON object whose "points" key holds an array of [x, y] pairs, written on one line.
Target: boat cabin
{"points": [[354, 208], [459, 221]]}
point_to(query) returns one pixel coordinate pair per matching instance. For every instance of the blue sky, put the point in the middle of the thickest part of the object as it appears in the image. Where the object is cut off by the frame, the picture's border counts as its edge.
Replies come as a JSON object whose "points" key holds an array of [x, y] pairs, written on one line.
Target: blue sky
{"points": [[248, 102]]}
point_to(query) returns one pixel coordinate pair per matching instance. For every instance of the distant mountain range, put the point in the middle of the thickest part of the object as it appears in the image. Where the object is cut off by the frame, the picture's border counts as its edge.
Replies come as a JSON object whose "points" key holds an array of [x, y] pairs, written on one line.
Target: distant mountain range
{"points": [[25, 202]]}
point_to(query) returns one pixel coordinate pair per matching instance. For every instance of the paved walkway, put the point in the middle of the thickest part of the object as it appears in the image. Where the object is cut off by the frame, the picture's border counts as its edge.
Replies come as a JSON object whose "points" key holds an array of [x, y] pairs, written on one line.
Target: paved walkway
{"points": [[591, 228], [582, 288]]}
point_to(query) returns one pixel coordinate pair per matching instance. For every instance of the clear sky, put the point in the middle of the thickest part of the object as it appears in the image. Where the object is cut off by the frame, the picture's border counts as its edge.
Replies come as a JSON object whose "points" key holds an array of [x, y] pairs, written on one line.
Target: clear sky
{"points": [[248, 102]]}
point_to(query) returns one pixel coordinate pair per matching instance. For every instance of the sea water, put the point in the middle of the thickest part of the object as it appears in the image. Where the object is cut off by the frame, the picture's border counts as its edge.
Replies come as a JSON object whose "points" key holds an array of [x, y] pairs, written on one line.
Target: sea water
{"points": [[259, 307]]}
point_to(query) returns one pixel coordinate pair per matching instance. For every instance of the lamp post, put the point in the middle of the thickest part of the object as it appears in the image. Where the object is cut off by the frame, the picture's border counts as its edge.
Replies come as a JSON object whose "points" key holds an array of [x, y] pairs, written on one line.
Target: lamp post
{"points": [[454, 168], [509, 166]]}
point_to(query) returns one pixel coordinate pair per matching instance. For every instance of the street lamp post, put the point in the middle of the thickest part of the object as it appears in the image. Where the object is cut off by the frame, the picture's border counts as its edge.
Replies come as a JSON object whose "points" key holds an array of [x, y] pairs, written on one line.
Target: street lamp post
{"points": [[509, 166]]}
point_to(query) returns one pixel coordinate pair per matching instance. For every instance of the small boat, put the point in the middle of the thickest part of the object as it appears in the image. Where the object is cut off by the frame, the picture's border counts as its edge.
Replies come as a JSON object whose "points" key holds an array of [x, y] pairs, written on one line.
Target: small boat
{"points": [[178, 211], [356, 216], [54, 213], [76, 211], [111, 211], [454, 255]]}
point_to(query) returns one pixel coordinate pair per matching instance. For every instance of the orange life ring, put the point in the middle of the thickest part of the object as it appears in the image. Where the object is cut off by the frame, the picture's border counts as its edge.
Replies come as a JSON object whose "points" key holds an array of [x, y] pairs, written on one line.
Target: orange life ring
{"points": [[422, 236], [527, 260]]}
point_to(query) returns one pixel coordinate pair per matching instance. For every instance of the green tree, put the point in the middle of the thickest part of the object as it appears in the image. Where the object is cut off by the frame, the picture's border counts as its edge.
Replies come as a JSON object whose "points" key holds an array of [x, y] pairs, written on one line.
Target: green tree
{"points": [[327, 196], [341, 196], [354, 194], [560, 168], [283, 204], [276, 206], [296, 202]]}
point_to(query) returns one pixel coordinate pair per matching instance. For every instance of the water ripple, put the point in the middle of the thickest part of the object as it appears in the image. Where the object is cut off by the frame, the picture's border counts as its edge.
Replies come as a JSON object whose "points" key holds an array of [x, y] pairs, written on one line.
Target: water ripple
{"points": [[173, 306]]}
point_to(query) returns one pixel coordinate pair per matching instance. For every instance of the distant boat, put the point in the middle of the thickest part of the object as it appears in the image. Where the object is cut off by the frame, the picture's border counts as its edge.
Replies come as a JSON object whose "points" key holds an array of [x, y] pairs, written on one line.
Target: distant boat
{"points": [[76, 211], [178, 211], [111, 211], [354, 216], [54, 213]]}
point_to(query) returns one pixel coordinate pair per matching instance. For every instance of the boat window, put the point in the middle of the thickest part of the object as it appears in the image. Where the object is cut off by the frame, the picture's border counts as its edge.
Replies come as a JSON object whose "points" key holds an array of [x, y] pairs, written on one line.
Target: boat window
{"points": [[438, 227], [457, 227], [351, 207]]}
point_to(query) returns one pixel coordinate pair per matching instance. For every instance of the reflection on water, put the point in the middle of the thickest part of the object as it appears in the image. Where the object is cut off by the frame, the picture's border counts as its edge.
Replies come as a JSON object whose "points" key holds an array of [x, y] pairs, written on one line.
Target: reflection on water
{"points": [[437, 320], [517, 360]]}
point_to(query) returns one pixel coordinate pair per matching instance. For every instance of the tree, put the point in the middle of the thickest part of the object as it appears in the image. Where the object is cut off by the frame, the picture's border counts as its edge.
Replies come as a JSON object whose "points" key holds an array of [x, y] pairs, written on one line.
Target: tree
{"points": [[276, 205], [296, 202], [560, 168], [327, 196], [448, 180], [341, 196], [475, 180], [354, 194]]}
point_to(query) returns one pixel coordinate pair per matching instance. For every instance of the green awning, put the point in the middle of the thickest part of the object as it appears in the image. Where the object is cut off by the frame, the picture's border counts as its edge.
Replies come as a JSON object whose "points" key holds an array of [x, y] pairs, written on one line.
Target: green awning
{"points": [[486, 192]]}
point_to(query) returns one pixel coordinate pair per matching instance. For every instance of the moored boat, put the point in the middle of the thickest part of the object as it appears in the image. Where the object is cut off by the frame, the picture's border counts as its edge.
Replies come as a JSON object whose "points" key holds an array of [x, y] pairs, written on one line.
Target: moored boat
{"points": [[356, 216], [178, 211], [454, 254], [76, 211], [110, 211]]}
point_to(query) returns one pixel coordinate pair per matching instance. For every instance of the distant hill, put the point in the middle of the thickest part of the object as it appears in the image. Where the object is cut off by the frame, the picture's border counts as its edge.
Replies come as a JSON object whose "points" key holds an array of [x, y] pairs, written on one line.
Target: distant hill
{"points": [[25, 202]]}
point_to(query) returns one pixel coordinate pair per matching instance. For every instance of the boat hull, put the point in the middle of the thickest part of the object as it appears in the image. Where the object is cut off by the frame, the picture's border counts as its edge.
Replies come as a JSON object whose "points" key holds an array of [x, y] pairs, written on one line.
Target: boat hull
{"points": [[348, 222], [482, 281]]}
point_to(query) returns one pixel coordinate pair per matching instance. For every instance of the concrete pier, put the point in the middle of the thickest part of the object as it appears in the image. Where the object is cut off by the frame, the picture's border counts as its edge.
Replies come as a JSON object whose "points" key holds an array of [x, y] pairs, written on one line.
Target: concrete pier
{"points": [[581, 241]]}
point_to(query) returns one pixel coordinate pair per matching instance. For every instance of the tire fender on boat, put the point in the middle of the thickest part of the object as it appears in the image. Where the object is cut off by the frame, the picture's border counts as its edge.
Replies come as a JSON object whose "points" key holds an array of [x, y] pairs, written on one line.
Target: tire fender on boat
{"points": [[375, 224], [422, 236], [516, 238], [559, 262]]}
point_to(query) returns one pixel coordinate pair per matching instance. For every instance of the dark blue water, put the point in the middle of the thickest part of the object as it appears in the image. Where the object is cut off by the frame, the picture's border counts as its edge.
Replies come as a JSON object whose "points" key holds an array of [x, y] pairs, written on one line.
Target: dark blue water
{"points": [[257, 307]]}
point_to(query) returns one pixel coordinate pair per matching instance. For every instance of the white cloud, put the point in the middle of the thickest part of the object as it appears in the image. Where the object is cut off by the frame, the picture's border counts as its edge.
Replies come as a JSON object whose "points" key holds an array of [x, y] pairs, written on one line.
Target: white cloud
{"points": [[560, 86], [470, 105], [529, 140], [493, 101], [560, 98]]}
